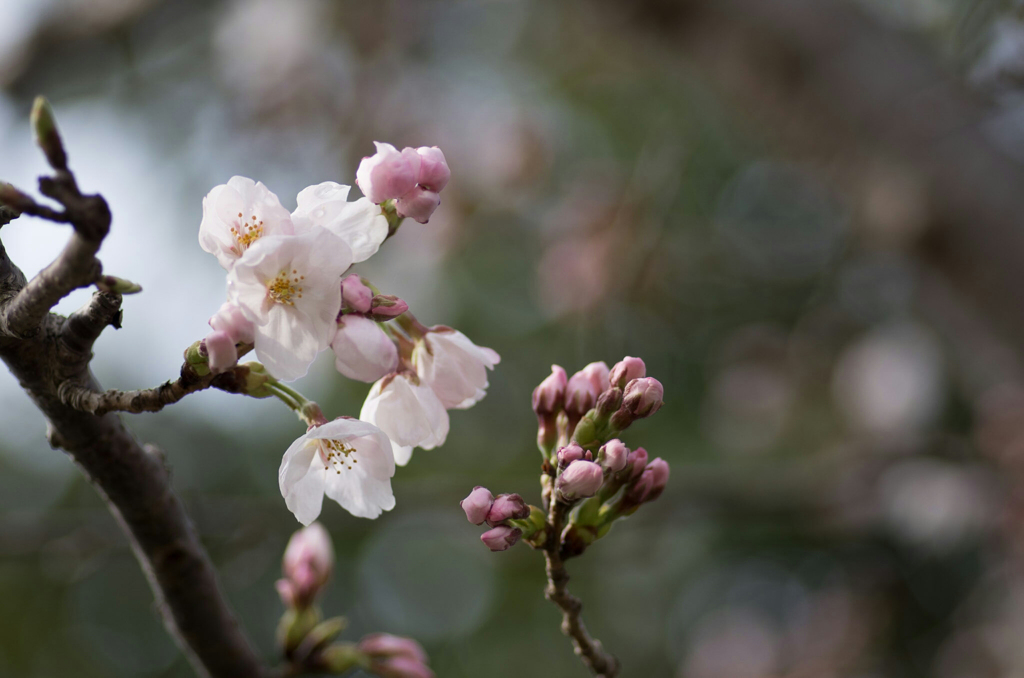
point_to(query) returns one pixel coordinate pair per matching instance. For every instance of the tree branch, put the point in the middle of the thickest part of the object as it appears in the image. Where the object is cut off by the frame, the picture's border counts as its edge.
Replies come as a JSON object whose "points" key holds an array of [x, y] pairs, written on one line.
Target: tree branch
{"points": [[600, 662], [49, 355]]}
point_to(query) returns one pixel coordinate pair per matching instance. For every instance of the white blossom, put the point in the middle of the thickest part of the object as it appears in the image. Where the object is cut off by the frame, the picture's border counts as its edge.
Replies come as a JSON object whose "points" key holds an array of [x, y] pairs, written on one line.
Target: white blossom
{"points": [[348, 460], [454, 367], [238, 214], [290, 287], [362, 350], [408, 412], [361, 223]]}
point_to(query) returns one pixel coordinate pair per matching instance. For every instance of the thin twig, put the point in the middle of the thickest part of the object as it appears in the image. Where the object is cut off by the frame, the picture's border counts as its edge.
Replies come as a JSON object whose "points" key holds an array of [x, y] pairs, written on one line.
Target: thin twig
{"points": [[590, 651]]}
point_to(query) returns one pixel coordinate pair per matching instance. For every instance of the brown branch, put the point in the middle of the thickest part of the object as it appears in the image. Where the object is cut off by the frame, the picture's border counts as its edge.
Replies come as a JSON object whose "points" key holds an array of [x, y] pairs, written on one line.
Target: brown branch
{"points": [[49, 355], [600, 662]]}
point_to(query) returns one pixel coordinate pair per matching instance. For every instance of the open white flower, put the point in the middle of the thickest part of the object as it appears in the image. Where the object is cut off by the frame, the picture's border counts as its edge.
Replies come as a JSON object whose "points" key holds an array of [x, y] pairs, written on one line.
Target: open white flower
{"points": [[236, 215], [454, 367], [362, 350], [348, 460], [408, 412], [290, 287], [361, 224]]}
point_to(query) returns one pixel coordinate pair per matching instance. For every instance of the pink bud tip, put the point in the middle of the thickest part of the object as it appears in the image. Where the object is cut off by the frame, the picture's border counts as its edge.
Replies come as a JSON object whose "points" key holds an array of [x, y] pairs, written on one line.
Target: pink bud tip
{"points": [[500, 538], [637, 461], [383, 645], [418, 204], [477, 504], [643, 397], [580, 479], [650, 484], [570, 453], [229, 318], [434, 172], [626, 370], [220, 348], [285, 591], [355, 295], [402, 667], [506, 507], [613, 455], [580, 394], [308, 562], [388, 173], [597, 373], [550, 395], [388, 306]]}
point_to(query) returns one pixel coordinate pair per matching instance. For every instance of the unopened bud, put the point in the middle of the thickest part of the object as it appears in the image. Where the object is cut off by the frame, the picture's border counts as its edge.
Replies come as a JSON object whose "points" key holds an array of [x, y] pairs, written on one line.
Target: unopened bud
{"points": [[609, 402], [339, 658], [434, 171], [580, 394], [402, 667], [110, 283], [355, 295], [418, 204], [387, 306], [626, 370], [597, 373], [636, 461], [579, 480], [477, 504], [613, 455], [308, 562], [500, 538], [384, 645], [549, 396], [45, 127], [388, 173], [570, 453], [256, 380], [220, 348], [643, 397], [195, 357], [507, 507], [649, 485]]}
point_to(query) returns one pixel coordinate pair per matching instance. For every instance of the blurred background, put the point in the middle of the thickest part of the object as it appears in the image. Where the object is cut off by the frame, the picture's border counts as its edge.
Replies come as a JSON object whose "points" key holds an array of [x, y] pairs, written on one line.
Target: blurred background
{"points": [[806, 216]]}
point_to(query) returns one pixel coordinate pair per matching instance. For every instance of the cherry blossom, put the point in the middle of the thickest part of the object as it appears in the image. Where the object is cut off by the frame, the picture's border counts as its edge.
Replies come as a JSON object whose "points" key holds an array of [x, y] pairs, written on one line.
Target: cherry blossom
{"points": [[290, 288], [388, 173], [408, 411], [361, 223], [362, 350], [454, 367], [238, 214], [348, 460]]}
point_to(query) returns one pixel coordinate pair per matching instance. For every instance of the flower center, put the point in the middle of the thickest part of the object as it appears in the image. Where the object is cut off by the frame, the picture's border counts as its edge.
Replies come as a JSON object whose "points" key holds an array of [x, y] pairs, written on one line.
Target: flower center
{"points": [[336, 454], [285, 286], [247, 233]]}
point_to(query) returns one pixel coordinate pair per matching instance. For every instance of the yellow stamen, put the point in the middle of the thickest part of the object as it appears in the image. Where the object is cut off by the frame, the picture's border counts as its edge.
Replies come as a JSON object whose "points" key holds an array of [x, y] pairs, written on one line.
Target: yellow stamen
{"points": [[281, 289]]}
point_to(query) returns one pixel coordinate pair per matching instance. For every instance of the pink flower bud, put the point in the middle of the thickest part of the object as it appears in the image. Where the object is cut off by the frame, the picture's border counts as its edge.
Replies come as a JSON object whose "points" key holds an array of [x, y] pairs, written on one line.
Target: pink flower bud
{"points": [[388, 173], [643, 397], [613, 455], [649, 485], [580, 394], [434, 172], [356, 295], [402, 667], [384, 645], [220, 347], [477, 504], [362, 351], [636, 461], [626, 370], [308, 561], [229, 318], [597, 373], [580, 479], [387, 306], [550, 395], [500, 538], [418, 204], [286, 592], [570, 453], [505, 507]]}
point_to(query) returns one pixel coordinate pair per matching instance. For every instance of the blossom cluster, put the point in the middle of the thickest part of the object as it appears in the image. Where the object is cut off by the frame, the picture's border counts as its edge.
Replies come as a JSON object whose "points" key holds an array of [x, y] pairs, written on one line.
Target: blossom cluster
{"points": [[588, 472], [291, 296]]}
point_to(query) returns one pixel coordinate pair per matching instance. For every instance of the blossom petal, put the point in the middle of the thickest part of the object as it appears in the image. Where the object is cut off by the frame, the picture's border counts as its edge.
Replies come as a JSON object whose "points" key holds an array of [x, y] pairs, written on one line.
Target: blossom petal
{"points": [[301, 480]]}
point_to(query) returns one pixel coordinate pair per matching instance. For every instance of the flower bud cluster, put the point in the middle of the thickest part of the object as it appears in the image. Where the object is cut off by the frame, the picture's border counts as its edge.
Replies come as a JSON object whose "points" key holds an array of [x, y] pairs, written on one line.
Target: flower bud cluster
{"points": [[590, 474], [412, 177], [508, 516], [307, 640]]}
